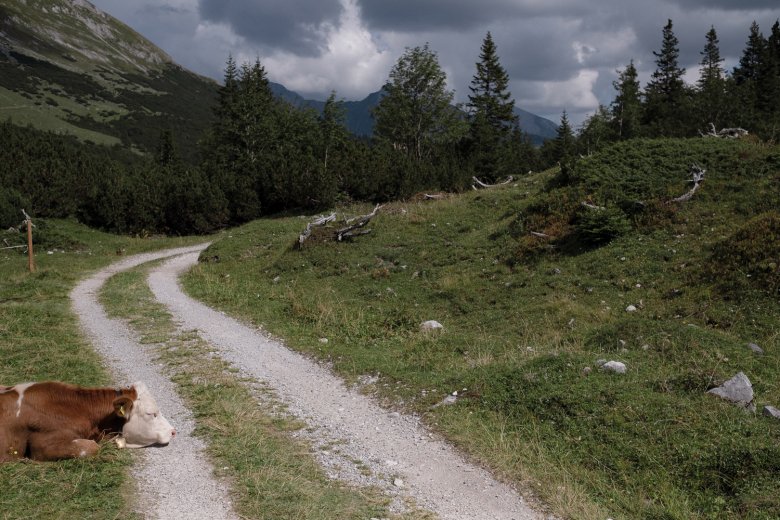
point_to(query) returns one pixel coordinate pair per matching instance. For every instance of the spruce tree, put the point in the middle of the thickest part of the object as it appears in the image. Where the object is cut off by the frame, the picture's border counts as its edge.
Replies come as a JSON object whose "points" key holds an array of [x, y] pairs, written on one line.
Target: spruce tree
{"points": [[492, 118], [747, 75], [666, 105], [711, 84], [627, 106]]}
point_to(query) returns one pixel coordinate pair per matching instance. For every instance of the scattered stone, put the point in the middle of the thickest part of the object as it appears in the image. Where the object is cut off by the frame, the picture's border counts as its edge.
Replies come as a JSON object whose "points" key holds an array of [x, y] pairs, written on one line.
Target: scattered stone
{"points": [[755, 348], [324, 341], [771, 411], [397, 482], [447, 401], [430, 325], [277, 279], [601, 362], [556, 271], [737, 390], [631, 308], [586, 371], [614, 366]]}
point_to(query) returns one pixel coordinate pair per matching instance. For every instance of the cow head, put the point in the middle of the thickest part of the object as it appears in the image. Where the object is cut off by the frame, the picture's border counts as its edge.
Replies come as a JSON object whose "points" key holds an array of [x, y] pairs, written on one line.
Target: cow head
{"points": [[144, 424]]}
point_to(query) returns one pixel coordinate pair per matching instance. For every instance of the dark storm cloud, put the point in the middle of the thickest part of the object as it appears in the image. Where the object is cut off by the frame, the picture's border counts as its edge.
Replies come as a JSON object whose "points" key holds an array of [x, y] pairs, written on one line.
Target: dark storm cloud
{"points": [[280, 24], [728, 5], [421, 15]]}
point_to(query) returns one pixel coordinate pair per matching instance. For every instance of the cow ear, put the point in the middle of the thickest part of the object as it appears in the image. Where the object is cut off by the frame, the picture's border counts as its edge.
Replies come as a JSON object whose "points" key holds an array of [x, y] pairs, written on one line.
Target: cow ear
{"points": [[122, 406]]}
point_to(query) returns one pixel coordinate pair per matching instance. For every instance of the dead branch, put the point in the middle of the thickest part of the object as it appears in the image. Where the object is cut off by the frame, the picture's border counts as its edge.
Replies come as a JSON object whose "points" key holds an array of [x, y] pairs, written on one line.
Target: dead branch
{"points": [[697, 174], [481, 184], [318, 222], [588, 205], [356, 223], [435, 196], [725, 133], [539, 235]]}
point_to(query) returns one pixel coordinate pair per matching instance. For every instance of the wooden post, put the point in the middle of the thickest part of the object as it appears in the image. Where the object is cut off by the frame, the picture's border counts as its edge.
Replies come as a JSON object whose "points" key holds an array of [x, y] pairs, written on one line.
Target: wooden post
{"points": [[30, 256]]}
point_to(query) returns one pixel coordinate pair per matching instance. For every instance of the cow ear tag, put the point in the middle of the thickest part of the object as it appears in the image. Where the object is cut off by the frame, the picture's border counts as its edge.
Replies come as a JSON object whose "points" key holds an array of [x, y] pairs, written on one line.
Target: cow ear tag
{"points": [[121, 411]]}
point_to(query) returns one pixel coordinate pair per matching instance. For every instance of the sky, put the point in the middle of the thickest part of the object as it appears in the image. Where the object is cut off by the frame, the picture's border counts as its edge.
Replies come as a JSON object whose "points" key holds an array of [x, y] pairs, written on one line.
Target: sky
{"points": [[559, 54]]}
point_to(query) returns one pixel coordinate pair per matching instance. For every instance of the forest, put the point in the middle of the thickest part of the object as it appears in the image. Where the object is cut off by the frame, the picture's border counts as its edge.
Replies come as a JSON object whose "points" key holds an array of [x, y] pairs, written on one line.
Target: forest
{"points": [[261, 156]]}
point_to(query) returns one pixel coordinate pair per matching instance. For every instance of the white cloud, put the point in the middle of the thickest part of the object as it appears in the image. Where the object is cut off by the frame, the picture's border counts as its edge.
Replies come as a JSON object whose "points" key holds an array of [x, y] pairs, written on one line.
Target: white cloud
{"points": [[575, 95], [351, 62]]}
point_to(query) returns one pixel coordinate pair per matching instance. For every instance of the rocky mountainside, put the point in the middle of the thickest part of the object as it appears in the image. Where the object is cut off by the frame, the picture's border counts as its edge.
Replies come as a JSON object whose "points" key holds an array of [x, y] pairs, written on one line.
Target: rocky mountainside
{"points": [[68, 67]]}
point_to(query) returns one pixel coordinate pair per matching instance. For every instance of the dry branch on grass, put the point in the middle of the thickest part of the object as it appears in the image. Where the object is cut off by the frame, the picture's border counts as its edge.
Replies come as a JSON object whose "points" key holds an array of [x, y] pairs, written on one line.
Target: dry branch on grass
{"points": [[352, 227], [697, 174], [479, 184]]}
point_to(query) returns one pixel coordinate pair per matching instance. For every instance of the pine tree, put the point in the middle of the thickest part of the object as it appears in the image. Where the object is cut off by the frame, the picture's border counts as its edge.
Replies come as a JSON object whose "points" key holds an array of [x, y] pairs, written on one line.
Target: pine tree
{"points": [[711, 84], [666, 105], [627, 106], [492, 118]]}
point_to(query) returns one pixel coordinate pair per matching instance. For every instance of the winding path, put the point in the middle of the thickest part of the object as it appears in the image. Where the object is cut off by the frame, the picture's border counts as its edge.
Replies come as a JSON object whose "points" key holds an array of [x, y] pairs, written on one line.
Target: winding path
{"points": [[427, 470]]}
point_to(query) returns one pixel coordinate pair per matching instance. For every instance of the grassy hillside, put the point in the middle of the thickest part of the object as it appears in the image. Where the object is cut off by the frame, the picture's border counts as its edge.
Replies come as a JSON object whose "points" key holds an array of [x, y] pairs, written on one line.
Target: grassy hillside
{"points": [[526, 318]]}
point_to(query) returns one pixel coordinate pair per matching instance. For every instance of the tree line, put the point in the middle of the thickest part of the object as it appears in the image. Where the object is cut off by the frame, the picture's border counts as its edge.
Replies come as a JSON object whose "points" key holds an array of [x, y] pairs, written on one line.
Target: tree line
{"points": [[262, 156]]}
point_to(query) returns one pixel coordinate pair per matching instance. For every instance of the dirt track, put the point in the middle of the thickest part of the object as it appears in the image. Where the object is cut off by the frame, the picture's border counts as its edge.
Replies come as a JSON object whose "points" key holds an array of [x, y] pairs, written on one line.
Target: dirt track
{"points": [[405, 458]]}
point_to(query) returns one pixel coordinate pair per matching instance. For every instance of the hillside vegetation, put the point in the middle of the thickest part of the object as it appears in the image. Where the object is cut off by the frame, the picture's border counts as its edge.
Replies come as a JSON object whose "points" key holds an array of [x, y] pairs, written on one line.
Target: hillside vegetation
{"points": [[526, 318]]}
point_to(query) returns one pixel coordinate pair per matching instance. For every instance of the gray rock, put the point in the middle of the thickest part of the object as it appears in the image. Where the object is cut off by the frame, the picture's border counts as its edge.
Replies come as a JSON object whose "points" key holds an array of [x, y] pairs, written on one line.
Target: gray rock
{"points": [[737, 390], [755, 348], [614, 366], [771, 411], [430, 325], [631, 308], [600, 362]]}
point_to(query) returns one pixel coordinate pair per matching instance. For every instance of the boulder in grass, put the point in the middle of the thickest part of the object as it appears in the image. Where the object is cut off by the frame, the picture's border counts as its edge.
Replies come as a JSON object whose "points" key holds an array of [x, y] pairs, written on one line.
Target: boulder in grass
{"points": [[771, 411], [614, 366], [738, 390], [431, 325], [756, 349]]}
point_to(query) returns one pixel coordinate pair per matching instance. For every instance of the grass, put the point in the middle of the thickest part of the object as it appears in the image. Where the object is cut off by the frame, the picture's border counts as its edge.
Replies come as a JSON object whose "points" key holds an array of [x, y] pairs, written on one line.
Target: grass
{"points": [[522, 324], [272, 474], [40, 340]]}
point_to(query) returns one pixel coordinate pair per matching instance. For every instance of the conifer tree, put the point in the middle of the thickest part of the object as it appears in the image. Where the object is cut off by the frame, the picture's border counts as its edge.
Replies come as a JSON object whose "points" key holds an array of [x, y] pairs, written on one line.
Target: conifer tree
{"points": [[666, 105], [492, 118], [416, 113], [627, 106], [747, 75], [711, 84]]}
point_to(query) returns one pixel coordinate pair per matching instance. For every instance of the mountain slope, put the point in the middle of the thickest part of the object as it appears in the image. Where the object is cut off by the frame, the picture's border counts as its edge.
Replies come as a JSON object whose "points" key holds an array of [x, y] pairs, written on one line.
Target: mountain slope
{"points": [[68, 67]]}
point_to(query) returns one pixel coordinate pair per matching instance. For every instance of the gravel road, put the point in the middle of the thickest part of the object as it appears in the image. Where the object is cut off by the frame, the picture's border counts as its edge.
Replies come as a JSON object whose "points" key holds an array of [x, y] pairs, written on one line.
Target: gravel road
{"points": [[174, 482], [412, 461]]}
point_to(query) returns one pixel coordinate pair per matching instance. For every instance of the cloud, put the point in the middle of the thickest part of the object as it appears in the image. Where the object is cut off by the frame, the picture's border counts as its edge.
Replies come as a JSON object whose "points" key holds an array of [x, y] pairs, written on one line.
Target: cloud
{"points": [[298, 26], [425, 15], [350, 60], [558, 53]]}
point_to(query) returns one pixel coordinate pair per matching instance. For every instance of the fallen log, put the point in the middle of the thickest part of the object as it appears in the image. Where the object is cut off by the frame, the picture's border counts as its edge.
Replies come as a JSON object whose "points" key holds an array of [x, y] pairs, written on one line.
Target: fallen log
{"points": [[725, 133], [351, 227]]}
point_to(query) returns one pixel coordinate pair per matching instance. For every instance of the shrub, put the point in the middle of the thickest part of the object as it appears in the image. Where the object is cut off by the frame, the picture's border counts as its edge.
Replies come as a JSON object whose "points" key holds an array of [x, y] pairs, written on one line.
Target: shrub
{"points": [[599, 226]]}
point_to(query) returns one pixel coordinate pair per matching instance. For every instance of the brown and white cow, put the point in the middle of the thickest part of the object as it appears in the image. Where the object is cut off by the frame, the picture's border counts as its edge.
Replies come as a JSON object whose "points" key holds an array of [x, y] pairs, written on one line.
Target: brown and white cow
{"points": [[51, 421]]}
